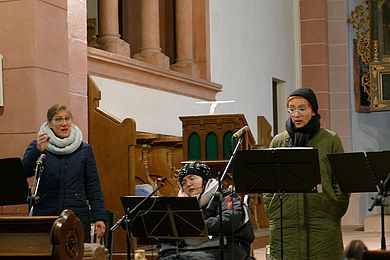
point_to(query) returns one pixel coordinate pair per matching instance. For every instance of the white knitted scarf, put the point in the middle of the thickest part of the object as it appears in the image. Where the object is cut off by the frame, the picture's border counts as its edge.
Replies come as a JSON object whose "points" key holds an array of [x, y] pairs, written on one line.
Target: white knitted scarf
{"points": [[62, 146]]}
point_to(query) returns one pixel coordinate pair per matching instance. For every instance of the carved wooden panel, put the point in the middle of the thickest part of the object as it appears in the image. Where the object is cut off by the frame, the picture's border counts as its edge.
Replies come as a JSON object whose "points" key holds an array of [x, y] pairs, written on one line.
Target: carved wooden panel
{"points": [[218, 124], [158, 156], [44, 237], [113, 144]]}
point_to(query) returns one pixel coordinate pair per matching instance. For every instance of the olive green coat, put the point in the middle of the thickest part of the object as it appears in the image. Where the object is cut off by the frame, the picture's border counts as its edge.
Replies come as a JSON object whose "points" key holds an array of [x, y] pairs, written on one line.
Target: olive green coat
{"points": [[311, 221]]}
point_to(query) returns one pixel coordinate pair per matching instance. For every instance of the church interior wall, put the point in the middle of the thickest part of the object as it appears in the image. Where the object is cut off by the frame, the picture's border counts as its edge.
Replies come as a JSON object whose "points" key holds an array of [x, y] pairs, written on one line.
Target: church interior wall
{"points": [[243, 62], [250, 46]]}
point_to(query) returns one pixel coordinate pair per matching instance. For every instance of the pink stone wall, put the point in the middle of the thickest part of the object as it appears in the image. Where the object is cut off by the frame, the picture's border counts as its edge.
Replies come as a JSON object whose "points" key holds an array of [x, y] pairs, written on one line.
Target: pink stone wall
{"points": [[324, 32], [45, 62], [324, 48], [77, 56], [35, 68]]}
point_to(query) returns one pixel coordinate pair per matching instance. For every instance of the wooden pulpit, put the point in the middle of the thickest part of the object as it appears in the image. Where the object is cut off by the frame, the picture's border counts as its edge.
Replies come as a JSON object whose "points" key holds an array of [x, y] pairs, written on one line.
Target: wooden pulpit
{"points": [[42, 237], [209, 137]]}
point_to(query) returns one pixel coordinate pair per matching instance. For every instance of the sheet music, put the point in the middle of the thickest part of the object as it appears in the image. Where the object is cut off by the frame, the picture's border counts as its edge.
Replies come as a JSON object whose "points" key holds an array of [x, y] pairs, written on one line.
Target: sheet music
{"points": [[290, 148]]}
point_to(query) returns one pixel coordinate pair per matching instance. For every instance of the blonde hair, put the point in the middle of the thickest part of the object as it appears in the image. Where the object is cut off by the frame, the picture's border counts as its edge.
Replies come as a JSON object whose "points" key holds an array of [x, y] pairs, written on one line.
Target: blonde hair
{"points": [[54, 109], [290, 98]]}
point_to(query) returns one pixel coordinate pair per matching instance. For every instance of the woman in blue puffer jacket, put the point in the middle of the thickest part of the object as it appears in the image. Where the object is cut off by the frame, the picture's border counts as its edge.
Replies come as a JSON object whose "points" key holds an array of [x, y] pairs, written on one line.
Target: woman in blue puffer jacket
{"points": [[70, 178]]}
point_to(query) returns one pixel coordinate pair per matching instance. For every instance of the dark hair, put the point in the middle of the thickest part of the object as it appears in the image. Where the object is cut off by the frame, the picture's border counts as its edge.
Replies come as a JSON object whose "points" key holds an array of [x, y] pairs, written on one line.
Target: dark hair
{"points": [[54, 109], [194, 168], [355, 250]]}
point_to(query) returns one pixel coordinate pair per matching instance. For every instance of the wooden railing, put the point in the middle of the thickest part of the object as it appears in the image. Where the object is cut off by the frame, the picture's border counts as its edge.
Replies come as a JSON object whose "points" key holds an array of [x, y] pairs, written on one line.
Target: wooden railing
{"points": [[113, 143]]}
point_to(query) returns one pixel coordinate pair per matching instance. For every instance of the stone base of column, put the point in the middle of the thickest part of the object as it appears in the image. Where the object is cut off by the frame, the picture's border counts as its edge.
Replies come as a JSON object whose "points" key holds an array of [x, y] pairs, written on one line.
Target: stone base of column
{"points": [[186, 67], [114, 44], [94, 44], [153, 57]]}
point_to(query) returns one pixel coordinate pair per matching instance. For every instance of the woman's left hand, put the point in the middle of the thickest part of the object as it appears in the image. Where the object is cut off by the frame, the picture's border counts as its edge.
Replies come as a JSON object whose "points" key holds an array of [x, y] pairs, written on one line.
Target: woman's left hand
{"points": [[100, 228]]}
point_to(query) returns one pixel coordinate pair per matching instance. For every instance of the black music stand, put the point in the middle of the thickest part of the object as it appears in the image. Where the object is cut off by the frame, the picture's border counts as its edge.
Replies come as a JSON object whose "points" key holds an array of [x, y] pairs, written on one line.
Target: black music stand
{"points": [[380, 163], [281, 170], [369, 172], [165, 218], [277, 170], [13, 185], [353, 172]]}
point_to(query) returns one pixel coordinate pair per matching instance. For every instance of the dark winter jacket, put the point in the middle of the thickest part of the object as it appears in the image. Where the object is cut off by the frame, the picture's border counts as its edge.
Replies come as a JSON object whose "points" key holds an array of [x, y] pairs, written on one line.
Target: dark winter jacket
{"points": [[236, 226], [311, 221], [68, 182]]}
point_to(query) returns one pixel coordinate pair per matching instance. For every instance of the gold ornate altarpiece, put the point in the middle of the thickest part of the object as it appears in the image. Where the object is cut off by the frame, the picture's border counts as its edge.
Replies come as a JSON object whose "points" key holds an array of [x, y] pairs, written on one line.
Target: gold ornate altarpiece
{"points": [[371, 21]]}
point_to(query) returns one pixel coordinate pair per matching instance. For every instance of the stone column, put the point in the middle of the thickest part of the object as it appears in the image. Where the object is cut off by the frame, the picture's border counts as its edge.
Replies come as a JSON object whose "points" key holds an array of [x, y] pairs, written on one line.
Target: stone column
{"points": [[150, 35], [108, 31], [184, 40]]}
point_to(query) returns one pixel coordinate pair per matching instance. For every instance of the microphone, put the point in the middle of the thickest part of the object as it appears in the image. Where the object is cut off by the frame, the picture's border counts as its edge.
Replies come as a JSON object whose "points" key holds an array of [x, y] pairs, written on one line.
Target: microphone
{"points": [[162, 179], [40, 159], [240, 132]]}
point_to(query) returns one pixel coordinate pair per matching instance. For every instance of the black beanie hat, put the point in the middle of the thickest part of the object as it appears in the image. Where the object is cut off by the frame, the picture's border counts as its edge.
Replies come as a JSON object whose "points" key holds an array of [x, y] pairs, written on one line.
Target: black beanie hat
{"points": [[309, 95], [194, 168]]}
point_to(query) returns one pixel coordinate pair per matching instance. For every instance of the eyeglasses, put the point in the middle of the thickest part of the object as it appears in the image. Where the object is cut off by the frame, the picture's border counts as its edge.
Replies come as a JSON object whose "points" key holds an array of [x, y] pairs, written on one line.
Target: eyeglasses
{"points": [[300, 111], [188, 178], [60, 120]]}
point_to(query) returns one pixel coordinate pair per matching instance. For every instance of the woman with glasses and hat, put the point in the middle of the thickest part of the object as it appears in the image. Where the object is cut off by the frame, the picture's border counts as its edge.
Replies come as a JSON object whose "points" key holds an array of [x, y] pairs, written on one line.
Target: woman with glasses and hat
{"points": [[311, 221], [70, 178], [195, 182]]}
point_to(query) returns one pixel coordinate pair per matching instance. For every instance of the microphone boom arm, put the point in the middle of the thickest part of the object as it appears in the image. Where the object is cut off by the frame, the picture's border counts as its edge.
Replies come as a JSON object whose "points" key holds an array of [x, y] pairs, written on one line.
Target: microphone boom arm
{"points": [[219, 196], [124, 217], [231, 159]]}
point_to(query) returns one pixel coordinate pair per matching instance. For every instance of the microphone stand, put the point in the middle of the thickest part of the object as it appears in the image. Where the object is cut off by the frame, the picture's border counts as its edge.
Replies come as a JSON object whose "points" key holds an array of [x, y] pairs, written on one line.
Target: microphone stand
{"points": [[128, 217], [379, 200], [219, 194], [33, 198]]}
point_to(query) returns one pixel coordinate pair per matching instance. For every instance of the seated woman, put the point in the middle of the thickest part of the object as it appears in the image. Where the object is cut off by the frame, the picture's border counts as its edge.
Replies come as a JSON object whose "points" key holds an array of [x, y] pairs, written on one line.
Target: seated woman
{"points": [[195, 182]]}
